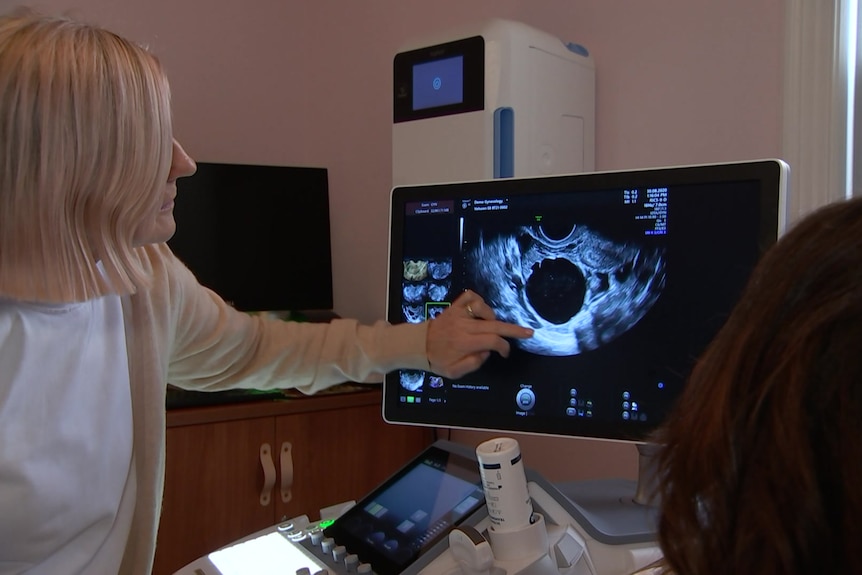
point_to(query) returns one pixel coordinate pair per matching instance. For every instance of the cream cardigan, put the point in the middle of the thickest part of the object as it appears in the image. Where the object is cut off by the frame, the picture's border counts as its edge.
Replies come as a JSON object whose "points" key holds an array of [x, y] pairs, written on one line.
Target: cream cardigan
{"points": [[178, 331]]}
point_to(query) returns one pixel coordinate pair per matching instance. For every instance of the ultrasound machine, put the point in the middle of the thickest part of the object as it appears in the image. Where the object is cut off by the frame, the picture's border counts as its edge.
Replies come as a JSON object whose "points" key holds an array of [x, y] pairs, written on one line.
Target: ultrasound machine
{"points": [[625, 277]]}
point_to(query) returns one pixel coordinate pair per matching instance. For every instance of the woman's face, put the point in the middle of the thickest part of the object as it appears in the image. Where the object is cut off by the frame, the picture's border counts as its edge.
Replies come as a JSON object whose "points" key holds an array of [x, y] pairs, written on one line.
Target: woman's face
{"points": [[160, 226]]}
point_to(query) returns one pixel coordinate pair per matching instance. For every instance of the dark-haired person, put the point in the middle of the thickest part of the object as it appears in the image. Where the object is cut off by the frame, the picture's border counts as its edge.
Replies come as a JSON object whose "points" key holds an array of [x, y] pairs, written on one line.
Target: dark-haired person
{"points": [[96, 313], [761, 469]]}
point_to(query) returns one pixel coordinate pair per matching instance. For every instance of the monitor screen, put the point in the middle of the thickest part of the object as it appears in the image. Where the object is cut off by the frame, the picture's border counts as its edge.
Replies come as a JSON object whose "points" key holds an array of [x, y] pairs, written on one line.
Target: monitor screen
{"points": [[412, 511], [257, 235], [438, 83], [439, 80], [624, 276]]}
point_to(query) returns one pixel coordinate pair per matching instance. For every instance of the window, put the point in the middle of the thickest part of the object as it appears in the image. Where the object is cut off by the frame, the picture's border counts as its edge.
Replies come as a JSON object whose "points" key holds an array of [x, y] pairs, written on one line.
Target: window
{"points": [[819, 88]]}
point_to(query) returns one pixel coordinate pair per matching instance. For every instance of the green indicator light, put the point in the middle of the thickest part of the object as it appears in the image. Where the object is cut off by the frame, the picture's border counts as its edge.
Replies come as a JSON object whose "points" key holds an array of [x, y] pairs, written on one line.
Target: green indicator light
{"points": [[410, 399], [327, 523]]}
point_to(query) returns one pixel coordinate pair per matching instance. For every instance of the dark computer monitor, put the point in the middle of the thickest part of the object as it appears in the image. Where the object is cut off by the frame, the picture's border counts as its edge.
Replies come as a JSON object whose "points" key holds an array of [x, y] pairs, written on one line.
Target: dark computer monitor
{"points": [[625, 276], [258, 236]]}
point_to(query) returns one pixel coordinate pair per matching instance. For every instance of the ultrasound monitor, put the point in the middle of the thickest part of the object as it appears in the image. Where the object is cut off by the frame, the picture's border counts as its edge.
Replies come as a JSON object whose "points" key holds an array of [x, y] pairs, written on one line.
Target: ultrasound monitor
{"points": [[625, 277]]}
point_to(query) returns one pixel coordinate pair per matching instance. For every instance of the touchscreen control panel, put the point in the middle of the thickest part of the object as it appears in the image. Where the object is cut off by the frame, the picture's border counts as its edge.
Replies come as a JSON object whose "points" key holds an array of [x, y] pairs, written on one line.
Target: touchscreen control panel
{"points": [[408, 514]]}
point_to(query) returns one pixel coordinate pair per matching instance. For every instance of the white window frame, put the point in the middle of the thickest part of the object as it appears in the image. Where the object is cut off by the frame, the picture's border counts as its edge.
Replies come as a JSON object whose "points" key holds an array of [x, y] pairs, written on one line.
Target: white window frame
{"points": [[819, 83]]}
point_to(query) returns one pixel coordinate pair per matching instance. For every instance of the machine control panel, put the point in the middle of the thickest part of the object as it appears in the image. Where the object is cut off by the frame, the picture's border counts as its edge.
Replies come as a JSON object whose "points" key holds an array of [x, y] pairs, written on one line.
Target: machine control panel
{"points": [[430, 518]]}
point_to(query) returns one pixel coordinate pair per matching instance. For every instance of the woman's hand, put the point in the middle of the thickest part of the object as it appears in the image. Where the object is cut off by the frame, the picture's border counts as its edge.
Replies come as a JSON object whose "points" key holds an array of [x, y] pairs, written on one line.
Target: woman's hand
{"points": [[461, 338]]}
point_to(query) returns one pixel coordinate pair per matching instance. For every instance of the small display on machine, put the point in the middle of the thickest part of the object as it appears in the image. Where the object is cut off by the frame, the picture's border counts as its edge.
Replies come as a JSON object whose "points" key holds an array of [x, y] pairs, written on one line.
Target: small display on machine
{"points": [[416, 508]]}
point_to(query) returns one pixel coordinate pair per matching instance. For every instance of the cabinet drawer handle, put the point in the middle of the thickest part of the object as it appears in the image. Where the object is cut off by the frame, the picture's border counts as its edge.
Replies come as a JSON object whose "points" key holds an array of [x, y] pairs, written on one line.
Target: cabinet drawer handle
{"points": [[268, 473], [286, 471]]}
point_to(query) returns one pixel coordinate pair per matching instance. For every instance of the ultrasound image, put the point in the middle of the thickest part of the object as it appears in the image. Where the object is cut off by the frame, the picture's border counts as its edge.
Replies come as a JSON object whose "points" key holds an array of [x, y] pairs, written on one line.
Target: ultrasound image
{"points": [[415, 270], [434, 310], [425, 288], [440, 270], [413, 313], [412, 380], [415, 292], [438, 291], [578, 292]]}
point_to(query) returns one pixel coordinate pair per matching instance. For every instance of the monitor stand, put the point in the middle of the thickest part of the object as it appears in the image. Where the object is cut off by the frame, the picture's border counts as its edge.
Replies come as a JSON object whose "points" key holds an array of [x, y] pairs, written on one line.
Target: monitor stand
{"points": [[617, 511]]}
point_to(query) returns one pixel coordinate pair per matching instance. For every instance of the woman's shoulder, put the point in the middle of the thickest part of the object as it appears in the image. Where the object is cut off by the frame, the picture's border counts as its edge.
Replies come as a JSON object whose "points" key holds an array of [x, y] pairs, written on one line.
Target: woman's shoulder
{"points": [[158, 259], [166, 273]]}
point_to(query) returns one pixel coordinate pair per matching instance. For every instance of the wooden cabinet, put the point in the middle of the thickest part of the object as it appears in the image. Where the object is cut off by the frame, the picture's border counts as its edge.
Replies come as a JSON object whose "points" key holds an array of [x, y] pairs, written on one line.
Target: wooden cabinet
{"points": [[221, 461]]}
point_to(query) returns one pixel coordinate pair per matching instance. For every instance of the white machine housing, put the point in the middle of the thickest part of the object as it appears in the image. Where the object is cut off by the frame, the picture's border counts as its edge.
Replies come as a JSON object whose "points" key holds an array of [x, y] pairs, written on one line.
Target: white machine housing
{"points": [[554, 542], [535, 96]]}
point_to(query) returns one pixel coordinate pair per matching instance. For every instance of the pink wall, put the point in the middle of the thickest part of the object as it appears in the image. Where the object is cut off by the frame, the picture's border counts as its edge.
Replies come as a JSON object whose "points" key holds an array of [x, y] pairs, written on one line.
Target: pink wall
{"points": [[308, 83]]}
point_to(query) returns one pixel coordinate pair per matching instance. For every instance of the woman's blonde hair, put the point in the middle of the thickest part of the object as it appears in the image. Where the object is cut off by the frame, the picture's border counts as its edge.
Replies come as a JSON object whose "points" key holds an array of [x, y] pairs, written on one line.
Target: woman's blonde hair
{"points": [[85, 152]]}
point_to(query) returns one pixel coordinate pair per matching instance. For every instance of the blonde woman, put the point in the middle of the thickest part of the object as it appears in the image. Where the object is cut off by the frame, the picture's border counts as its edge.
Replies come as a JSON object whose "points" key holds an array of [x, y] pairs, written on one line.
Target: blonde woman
{"points": [[96, 314]]}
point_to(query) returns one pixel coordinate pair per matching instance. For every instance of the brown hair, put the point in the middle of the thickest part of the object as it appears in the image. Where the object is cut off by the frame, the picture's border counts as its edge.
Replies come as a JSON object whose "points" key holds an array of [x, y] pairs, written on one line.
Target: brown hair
{"points": [[761, 469], [85, 148]]}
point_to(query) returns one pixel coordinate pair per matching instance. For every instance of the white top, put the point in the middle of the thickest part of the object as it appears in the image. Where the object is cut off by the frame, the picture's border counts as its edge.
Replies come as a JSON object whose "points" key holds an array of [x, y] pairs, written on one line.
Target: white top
{"points": [[67, 489]]}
